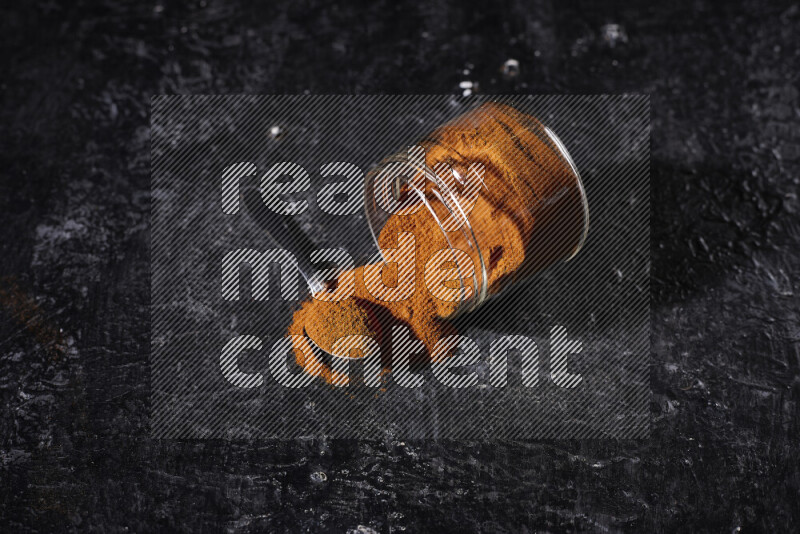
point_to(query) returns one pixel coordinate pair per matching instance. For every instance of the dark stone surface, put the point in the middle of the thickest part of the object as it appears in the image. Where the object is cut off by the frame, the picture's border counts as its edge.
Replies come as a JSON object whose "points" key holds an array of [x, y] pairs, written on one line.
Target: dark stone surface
{"points": [[74, 198]]}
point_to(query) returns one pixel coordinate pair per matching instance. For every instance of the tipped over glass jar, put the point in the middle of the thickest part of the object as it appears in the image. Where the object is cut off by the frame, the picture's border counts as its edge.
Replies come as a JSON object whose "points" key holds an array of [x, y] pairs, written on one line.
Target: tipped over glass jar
{"points": [[491, 198], [482, 203]]}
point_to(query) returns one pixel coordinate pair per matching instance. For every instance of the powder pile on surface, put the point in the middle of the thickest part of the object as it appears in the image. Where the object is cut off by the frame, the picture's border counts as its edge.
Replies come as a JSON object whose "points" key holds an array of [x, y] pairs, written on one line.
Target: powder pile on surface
{"points": [[526, 214]]}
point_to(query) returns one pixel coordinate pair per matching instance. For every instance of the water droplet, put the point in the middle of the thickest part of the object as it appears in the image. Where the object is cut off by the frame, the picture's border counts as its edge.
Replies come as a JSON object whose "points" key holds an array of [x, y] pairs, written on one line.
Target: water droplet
{"points": [[510, 69], [613, 35], [276, 132], [467, 87]]}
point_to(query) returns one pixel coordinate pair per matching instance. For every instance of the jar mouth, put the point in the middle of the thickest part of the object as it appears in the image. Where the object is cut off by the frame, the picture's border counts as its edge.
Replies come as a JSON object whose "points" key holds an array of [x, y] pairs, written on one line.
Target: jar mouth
{"points": [[480, 275], [584, 201]]}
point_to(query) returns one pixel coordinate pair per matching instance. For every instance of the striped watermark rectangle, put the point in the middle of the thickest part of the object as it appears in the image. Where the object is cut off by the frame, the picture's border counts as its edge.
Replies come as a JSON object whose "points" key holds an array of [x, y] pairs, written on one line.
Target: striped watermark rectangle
{"points": [[259, 202]]}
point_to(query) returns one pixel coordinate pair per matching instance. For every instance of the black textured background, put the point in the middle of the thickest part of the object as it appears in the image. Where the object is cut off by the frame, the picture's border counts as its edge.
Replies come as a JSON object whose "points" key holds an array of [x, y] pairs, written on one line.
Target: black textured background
{"points": [[76, 82]]}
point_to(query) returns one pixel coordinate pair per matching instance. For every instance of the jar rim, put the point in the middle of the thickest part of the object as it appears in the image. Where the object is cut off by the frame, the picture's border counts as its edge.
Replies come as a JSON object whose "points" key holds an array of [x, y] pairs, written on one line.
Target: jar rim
{"points": [[565, 154]]}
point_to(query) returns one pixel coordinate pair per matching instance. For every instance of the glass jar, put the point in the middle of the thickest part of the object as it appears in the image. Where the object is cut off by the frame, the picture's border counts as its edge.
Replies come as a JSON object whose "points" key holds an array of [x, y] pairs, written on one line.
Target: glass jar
{"points": [[495, 189]]}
